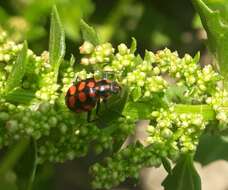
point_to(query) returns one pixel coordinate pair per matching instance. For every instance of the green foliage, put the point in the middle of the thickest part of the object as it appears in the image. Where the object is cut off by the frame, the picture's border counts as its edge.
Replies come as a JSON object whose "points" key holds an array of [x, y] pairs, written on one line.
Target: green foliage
{"points": [[183, 175], [178, 97], [30, 17], [13, 155], [114, 22], [217, 30], [220, 6], [56, 41], [211, 148], [89, 34], [138, 109], [133, 45], [26, 170], [18, 70], [167, 165], [145, 94]]}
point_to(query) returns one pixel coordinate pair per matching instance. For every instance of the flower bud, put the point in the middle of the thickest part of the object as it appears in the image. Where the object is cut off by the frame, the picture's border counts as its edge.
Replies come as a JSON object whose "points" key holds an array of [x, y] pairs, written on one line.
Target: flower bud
{"points": [[86, 48]]}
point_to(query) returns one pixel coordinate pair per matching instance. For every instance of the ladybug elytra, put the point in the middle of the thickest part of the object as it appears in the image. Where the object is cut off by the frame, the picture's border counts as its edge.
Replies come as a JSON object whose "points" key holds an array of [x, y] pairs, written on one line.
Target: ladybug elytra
{"points": [[86, 94]]}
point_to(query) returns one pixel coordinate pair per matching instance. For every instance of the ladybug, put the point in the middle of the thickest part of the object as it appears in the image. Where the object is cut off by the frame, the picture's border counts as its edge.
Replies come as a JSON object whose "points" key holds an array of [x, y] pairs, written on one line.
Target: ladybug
{"points": [[84, 95]]}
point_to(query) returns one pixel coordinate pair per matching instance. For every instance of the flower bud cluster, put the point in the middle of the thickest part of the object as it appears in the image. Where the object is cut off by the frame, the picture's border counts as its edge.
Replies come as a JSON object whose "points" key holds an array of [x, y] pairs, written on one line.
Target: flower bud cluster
{"points": [[48, 87], [48, 90], [206, 81], [150, 74], [186, 71], [143, 77], [8, 49], [124, 60], [125, 163], [170, 135], [37, 77], [72, 139], [94, 55], [219, 102], [173, 133], [36, 65], [60, 135], [67, 75], [134, 72]]}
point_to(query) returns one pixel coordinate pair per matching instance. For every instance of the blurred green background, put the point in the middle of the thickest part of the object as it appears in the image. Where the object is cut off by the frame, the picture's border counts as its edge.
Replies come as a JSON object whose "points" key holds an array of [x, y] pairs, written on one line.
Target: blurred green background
{"points": [[155, 24]]}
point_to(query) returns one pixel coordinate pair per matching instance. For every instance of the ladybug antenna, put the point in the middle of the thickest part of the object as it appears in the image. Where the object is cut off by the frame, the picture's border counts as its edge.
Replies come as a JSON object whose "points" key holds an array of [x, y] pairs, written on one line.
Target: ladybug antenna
{"points": [[107, 74], [76, 80]]}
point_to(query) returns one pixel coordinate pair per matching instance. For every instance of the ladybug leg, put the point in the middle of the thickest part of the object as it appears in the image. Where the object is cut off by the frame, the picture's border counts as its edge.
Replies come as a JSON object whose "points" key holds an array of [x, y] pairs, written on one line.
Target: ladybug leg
{"points": [[105, 103], [98, 106], [107, 75], [89, 116], [76, 80]]}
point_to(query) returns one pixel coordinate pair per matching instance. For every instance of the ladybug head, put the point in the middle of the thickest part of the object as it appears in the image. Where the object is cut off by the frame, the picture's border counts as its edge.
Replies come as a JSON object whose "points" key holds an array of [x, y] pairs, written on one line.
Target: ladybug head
{"points": [[115, 88]]}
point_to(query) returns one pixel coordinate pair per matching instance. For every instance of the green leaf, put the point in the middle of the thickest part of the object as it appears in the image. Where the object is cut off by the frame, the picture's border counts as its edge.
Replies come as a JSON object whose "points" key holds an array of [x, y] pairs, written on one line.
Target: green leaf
{"points": [[133, 45], [138, 110], [20, 96], [13, 155], [218, 5], [138, 60], [184, 176], [143, 108], [113, 108], [72, 60], [217, 32], [56, 41], [167, 165], [88, 33], [149, 56], [211, 148], [136, 93], [26, 168], [196, 58], [18, 71], [175, 94], [45, 176]]}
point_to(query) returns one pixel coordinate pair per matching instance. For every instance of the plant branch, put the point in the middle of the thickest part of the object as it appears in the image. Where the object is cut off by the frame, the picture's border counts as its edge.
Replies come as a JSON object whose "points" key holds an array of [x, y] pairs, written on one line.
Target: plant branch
{"points": [[205, 110]]}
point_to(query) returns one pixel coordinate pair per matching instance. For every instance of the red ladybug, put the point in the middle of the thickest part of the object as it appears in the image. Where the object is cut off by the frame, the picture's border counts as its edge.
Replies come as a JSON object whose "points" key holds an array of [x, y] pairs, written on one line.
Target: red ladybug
{"points": [[86, 94]]}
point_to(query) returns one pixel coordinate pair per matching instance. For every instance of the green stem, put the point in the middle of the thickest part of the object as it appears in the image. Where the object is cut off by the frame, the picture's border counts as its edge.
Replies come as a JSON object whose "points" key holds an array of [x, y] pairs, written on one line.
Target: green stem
{"points": [[34, 168], [13, 156], [205, 110]]}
